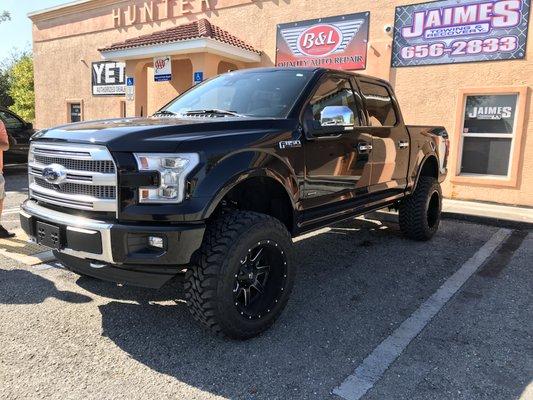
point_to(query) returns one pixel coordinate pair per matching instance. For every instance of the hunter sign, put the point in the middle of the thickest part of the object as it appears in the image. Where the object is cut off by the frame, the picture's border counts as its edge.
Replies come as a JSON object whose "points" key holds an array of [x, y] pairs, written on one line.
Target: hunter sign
{"points": [[335, 42], [445, 32], [108, 78]]}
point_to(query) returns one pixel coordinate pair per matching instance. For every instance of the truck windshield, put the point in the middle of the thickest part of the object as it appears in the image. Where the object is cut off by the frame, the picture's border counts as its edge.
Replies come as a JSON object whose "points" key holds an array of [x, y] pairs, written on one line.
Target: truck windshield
{"points": [[267, 94]]}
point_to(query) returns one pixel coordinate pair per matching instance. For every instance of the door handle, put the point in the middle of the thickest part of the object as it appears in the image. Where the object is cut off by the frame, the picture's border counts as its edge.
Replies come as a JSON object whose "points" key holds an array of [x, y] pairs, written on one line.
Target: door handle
{"points": [[403, 144], [364, 147]]}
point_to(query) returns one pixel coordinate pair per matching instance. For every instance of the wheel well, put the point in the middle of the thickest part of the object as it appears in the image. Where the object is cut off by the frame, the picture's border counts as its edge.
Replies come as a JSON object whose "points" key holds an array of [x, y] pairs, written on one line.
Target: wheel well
{"points": [[430, 167], [261, 194]]}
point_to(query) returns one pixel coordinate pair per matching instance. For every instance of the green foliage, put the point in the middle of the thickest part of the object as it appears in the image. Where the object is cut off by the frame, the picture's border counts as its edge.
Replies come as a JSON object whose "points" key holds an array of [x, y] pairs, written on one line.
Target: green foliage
{"points": [[5, 16], [5, 98], [21, 87]]}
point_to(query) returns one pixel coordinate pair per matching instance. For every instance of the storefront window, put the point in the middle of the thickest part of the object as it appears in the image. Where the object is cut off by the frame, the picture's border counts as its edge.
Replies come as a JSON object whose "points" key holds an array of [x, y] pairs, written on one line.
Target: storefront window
{"points": [[487, 135]]}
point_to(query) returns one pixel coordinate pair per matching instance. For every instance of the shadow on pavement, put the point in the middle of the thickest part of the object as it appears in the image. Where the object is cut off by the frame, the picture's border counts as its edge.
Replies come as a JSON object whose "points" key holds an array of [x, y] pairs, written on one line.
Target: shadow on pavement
{"points": [[351, 292], [23, 287], [110, 290]]}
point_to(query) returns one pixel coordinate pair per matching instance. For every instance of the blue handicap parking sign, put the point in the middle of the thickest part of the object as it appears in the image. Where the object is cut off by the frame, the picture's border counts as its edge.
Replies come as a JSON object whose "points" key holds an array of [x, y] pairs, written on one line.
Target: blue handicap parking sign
{"points": [[198, 77], [129, 81]]}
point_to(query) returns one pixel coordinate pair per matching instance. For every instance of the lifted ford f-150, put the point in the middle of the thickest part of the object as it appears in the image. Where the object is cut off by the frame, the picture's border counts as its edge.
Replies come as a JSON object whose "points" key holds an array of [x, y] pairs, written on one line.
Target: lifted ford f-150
{"points": [[218, 181]]}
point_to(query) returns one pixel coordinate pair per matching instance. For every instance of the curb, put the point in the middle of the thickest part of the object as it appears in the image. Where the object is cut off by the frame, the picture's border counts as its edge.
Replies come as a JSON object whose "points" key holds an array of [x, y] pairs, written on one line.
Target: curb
{"points": [[493, 221], [388, 216]]}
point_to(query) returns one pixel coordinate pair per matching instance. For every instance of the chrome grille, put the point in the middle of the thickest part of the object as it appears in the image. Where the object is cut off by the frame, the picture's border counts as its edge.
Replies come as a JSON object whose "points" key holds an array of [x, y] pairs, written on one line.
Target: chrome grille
{"points": [[88, 176], [104, 167], [100, 192]]}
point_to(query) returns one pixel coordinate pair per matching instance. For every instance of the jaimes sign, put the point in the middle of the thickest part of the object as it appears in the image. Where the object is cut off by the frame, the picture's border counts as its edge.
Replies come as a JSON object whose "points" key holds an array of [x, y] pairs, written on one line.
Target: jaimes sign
{"points": [[335, 42], [444, 32]]}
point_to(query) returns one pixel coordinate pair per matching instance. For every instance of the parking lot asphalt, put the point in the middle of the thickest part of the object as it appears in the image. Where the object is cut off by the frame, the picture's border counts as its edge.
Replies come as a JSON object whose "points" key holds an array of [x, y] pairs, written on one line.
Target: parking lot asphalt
{"points": [[70, 337]]}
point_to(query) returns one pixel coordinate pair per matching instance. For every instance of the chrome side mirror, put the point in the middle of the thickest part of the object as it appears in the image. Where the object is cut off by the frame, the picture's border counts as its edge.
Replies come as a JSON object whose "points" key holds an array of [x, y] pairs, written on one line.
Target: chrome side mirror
{"points": [[337, 116]]}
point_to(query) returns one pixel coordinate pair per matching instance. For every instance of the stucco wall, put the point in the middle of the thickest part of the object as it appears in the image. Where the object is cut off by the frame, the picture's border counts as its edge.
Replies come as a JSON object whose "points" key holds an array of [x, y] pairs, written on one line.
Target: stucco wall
{"points": [[161, 93], [66, 45]]}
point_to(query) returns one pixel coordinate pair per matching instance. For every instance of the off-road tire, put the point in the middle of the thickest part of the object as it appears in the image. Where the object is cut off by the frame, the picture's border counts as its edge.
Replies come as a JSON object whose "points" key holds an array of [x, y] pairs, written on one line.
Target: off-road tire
{"points": [[210, 279], [420, 212]]}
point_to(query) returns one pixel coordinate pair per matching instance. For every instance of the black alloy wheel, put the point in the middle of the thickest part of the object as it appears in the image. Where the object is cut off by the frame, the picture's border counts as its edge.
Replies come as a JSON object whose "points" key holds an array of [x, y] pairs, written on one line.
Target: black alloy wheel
{"points": [[242, 277], [260, 280]]}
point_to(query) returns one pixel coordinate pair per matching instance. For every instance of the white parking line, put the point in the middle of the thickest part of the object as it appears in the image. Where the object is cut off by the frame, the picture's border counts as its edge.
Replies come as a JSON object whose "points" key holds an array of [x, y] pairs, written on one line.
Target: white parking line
{"points": [[376, 363], [11, 211]]}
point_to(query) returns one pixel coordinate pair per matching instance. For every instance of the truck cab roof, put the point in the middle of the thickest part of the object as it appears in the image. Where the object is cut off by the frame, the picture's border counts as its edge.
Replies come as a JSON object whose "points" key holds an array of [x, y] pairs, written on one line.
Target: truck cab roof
{"points": [[314, 70]]}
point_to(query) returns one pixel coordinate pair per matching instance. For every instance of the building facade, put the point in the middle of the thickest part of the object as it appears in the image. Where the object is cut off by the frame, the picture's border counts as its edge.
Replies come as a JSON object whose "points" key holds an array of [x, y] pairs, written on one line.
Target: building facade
{"points": [[462, 64]]}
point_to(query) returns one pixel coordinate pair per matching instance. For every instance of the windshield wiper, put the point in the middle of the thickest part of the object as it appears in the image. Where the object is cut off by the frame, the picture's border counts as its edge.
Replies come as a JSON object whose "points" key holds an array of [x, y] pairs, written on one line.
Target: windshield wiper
{"points": [[213, 111], [164, 112]]}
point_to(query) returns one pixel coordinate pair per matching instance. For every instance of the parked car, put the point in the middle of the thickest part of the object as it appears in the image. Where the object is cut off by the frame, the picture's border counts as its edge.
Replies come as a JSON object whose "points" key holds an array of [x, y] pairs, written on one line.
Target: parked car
{"points": [[218, 181], [19, 133]]}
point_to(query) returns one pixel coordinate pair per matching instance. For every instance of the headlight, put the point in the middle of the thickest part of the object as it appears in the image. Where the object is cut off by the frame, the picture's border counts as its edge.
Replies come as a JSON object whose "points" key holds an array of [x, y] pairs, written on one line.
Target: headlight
{"points": [[173, 168], [31, 157]]}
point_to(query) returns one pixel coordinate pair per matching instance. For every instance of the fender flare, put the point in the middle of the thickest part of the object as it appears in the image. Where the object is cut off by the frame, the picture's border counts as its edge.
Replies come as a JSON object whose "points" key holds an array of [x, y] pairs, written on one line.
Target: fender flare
{"points": [[271, 167], [426, 159]]}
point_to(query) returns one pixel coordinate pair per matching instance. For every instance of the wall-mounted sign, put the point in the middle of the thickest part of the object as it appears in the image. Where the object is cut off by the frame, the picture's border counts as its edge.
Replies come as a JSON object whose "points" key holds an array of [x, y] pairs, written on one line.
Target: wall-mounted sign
{"points": [[162, 69], [130, 88], [335, 42], [156, 10], [198, 77], [108, 78], [445, 32]]}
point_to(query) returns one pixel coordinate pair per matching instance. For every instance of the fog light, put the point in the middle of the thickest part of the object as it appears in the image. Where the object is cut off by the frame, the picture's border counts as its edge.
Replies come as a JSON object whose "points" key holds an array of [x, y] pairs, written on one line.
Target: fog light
{"points": [[156, 241]]}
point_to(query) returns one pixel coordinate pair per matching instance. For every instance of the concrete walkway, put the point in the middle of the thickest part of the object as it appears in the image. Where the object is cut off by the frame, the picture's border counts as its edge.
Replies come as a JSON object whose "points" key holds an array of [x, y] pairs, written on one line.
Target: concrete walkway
{"points": [[520, 215]]}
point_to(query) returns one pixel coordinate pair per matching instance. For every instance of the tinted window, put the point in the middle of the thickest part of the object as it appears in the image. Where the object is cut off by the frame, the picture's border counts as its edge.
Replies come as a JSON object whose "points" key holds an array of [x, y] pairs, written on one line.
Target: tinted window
{"points": [[486, 156], [489, 124], [490, 114], [335, 91], [378, 104], [254, 93], [10, 121]]}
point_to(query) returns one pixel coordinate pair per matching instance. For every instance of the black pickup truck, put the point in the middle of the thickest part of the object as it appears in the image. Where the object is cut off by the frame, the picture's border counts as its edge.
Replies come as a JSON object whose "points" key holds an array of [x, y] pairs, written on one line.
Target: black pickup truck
{"points": [[216, 183]]}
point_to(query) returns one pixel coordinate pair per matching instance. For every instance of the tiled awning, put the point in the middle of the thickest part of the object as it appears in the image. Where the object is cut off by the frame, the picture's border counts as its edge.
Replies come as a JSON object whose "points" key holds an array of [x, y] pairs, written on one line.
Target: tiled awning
{"points": [[196, 36]]}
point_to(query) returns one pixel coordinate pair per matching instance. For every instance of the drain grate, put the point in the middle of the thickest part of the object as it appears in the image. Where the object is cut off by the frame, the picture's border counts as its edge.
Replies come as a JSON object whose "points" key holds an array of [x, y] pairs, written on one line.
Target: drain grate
{"points": [[19, 249]]}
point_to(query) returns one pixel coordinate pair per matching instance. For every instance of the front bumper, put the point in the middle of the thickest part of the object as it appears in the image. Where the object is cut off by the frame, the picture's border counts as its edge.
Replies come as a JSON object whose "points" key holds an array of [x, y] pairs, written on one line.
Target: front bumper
{"points": [[106, 244]]}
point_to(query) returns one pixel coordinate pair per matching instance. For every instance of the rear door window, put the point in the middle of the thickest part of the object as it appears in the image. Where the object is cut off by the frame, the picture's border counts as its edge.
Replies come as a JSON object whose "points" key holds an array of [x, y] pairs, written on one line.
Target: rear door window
{"points": [[379, 105]]}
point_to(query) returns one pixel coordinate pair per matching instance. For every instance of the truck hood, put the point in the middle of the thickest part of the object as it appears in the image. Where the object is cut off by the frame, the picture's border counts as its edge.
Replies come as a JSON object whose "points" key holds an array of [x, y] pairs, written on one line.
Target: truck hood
{"points": [[163, 134]]}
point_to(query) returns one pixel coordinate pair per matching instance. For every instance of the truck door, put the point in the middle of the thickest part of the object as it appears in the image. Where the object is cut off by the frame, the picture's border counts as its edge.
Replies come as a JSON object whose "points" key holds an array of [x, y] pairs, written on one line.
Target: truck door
{"points": [[390, 139], [336, 166]]}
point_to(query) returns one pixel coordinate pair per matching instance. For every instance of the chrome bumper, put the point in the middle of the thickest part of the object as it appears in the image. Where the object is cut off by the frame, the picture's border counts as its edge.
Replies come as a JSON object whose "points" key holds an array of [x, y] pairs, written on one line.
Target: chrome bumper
{"points": [[80, 224], [102, 242]]}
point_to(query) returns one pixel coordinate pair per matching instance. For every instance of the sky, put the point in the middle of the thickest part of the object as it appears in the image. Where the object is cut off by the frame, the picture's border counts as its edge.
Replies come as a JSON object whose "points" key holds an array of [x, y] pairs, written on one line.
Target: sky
{"points": [[17, 32]]}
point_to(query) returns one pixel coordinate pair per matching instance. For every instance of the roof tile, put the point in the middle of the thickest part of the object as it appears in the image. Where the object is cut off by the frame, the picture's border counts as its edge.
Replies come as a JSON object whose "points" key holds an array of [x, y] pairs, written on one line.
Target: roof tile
{"points": [[194, 30]]}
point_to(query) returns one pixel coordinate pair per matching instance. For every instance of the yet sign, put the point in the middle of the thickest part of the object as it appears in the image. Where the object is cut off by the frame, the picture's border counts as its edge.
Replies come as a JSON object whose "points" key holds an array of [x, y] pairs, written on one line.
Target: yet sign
{"points": [[108, 78]]}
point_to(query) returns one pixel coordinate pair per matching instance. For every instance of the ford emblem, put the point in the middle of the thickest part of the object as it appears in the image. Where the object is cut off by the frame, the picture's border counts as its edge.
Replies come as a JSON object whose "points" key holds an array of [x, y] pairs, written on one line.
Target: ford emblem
{"points": [[54, 173]]}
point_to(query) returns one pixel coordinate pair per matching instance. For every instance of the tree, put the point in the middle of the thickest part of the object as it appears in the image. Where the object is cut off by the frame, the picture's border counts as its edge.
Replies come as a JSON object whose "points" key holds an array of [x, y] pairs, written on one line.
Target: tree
{"points": [[5, 16], [21, 87], [5, 98]]}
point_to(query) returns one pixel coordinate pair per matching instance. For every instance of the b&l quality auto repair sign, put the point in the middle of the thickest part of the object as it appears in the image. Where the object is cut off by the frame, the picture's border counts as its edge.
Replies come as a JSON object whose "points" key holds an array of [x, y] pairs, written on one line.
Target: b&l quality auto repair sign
{"points": [[448, 31], [335, 42]]}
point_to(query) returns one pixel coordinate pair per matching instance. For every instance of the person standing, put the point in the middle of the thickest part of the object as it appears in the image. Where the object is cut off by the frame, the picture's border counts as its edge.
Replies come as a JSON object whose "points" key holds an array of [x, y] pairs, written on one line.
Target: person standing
{"points": [[4, 145]]}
